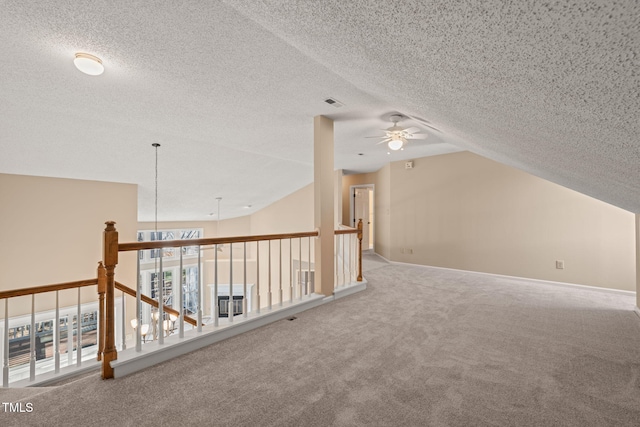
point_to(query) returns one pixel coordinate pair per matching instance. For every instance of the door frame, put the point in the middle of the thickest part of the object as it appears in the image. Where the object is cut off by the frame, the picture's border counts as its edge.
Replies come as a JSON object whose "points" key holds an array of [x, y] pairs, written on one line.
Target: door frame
{"points": [[352, 219]]}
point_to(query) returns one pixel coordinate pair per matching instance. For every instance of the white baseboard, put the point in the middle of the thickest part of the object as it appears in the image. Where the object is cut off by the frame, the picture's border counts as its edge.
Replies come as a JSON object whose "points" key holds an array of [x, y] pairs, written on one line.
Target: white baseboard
{"points": [[549, 282], [342, 292]]}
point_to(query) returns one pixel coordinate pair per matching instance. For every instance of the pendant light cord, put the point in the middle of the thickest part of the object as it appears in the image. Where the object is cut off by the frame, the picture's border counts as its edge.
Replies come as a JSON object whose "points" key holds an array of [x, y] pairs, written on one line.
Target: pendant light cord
{"points": [[155, 228], [156, 145]]}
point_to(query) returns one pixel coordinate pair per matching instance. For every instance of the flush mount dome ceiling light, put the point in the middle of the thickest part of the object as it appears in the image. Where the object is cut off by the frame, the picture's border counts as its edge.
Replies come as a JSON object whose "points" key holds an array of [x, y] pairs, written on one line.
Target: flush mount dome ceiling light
{"points": [[88, 64]]}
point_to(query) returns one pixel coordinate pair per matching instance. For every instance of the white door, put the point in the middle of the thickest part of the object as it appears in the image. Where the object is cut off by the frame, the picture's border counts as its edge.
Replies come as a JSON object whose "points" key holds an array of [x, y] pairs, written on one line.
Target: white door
{"points": [[363, 209]]}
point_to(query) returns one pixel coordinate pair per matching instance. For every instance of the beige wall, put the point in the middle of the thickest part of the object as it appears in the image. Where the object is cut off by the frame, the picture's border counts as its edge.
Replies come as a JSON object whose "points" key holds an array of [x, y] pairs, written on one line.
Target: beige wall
{"points": [[52, 232], [337, 198], [638, 260], [383, 212], [466, 212], [292, 213]]}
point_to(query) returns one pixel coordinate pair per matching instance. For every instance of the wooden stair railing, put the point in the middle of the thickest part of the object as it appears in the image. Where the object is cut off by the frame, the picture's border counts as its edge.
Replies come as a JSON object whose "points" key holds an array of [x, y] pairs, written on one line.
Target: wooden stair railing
{"points": [[111, 247], [107, 284]]}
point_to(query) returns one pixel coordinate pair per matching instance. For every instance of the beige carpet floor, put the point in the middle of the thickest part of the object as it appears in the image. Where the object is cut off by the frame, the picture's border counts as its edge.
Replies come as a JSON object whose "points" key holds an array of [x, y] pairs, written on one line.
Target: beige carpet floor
{"points": [[420, 347]]}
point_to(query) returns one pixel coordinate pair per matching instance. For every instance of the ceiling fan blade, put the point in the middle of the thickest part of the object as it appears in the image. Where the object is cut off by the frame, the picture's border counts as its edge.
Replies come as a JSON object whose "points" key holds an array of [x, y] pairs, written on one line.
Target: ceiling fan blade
{"points": [[383, 141], [375, 136], [418, 136], [412, 130]]}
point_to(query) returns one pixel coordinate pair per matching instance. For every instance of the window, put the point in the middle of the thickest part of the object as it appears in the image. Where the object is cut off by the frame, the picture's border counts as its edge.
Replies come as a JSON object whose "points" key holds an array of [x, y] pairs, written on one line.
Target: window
{"points": [[153, 255], [150, 274], [162, 235], [190, 289], [167, 287], [20, 337], [189, 251]]}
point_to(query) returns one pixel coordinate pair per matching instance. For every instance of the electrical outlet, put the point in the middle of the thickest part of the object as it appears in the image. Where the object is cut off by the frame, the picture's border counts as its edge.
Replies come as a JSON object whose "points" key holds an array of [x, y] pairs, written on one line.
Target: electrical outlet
{"points": [[410, 251], [560, 265]]}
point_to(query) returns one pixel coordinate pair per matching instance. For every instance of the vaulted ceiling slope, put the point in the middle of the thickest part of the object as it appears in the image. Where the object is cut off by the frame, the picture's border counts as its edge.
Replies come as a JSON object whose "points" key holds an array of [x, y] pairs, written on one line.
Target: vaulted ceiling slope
{"points": [[229, 88], [549, 87]]}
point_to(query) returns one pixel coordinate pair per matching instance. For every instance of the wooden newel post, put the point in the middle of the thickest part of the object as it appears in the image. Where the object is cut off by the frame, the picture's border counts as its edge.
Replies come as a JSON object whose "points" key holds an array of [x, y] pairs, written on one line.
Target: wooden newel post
{"points": [[110, 259], [102, 287], [360, 250]]}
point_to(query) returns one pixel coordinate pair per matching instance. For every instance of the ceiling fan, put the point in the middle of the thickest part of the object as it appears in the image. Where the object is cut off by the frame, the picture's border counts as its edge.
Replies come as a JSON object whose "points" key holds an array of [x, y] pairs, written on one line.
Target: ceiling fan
{"points": [[396, 136]]}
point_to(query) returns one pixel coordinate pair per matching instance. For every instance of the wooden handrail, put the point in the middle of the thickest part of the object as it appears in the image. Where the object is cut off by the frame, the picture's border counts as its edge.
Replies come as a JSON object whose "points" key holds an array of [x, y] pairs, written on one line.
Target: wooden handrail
{"points": [[47, 288], [346, 231], [154, 303], [138, 246]]}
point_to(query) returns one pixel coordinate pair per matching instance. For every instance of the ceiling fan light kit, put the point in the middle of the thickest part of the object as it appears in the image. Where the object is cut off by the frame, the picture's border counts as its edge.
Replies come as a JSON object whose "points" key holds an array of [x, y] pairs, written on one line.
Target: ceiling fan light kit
{"points": [[396, 136]]}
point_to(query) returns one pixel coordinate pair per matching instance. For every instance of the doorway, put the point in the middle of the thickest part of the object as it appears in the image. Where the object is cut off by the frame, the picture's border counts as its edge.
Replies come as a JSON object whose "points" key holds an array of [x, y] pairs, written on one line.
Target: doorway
{"points": [[361, 207]]}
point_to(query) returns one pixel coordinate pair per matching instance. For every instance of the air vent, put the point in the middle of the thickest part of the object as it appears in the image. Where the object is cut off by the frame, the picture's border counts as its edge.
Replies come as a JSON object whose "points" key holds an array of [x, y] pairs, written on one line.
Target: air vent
{"points": [[334, 102]]}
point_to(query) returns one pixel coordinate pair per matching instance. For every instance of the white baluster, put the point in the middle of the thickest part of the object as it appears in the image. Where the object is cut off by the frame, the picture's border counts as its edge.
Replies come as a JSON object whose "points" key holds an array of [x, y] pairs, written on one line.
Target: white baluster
{"points": [[280, 273], [244, 289], [138, 306], [344, 281], [5, 363], [160, 319], [269, 293], [290, 269], [356, 253], [336, 255], [258, 277], [56, 339], [32, 340], [124, 324], [215, 303], [309, 292], [69, 340], [181, 300], [230, 309], [300, 268], [79, 337], [200, 278], [350, 269]]}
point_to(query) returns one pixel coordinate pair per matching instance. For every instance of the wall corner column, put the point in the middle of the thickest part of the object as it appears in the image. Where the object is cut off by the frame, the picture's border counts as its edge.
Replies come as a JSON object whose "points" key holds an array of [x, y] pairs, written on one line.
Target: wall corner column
{"points": [[323, 217], [638, 264]]}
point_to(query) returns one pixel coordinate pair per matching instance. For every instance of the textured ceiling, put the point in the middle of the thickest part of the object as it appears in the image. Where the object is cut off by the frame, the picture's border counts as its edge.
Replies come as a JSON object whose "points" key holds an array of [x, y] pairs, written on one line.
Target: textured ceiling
{"points": [[230, 89]]}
